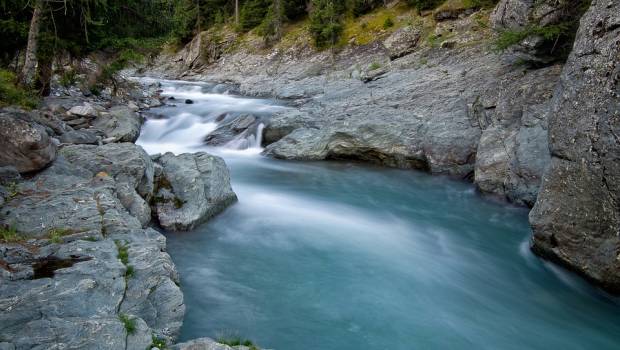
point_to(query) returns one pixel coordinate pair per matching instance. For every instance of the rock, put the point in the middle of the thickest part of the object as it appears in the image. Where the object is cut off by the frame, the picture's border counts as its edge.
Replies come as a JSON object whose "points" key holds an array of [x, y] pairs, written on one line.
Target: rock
{"points": [[24, 145], [121, 123], [86, 110], [233, 127], [125, 162], [576, 217], [9, 174], [79, 137], [192, 188], [512, 154], [519, 15], [189, 102], [402, 42], [84, 194], [204, 344]]}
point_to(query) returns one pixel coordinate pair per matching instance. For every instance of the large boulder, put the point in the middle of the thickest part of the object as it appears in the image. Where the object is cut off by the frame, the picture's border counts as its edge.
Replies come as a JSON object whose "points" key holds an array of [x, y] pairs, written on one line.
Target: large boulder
{"points": [[402, 42], [576, 218], [24, 144], [191, 188], [119, 123]]}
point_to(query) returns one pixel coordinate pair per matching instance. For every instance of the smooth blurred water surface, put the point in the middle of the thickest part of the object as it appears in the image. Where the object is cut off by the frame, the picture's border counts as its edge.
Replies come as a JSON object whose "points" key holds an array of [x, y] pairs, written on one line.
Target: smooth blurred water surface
{"points": [[342, 256]]}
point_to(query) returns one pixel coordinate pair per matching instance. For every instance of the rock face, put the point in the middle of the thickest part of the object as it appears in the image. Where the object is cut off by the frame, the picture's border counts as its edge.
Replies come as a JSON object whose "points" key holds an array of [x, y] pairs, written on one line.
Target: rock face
{"points": [[191, 188], [79, 268], [512, 153], [24, 145], [576, 218]]}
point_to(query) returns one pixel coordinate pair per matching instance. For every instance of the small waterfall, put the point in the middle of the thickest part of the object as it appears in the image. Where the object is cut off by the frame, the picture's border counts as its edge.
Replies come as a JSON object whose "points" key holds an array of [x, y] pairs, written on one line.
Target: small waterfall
{"points": [[195, 110]]}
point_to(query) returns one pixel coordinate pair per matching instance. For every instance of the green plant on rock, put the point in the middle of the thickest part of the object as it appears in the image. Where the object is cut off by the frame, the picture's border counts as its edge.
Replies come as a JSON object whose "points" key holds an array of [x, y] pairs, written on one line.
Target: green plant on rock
{"points": [[55, 235], [422, 5], [374, 65], [159, 343], [236, 341], [9, 234], [123, 252], [128, 322]]}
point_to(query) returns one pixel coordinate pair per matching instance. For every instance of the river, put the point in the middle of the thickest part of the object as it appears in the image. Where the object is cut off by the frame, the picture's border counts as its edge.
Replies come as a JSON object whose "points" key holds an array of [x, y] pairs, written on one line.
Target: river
{"points": [[338, 255]]}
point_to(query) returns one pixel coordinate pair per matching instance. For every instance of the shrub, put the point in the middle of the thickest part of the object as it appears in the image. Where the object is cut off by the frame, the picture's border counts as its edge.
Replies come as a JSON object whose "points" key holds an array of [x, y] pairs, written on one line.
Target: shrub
{"points": [[422, 5], [68, 78], [388, 23], [508, 38], [158, 343], [12, 94]]}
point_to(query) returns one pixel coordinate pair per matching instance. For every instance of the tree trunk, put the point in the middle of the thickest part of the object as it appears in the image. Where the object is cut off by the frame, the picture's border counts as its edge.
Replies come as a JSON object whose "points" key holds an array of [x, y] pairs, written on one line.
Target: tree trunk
{"points": [[278, 13], [236, 12], [30, 61]]}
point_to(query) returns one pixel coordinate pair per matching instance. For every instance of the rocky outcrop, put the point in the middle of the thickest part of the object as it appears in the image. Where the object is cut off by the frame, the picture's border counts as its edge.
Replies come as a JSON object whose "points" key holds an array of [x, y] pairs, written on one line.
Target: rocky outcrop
{"points": [[576, 219], [92, 258], [206, 344], [24, 144], [191, 188], [512, 153]]}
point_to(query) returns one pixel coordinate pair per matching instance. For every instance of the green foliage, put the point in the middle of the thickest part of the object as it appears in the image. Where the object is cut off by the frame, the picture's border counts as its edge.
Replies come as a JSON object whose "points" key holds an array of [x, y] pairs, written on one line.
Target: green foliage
{"points": [[422, 5], [128, 322], [361, 7], [9, 235], [236, 341], [158, 343], [374, 65], [326, 22], [130, 272], [68, 78], [508, 38], [252, 14], [55, 235], [123, 252], [11, 94], [388, 23]]}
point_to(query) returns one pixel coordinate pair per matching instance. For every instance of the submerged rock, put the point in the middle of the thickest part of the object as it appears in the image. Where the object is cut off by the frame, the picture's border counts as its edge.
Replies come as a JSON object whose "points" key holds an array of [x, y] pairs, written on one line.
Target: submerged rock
{"points": [[24, 144], [191, 189], [576, 218]]}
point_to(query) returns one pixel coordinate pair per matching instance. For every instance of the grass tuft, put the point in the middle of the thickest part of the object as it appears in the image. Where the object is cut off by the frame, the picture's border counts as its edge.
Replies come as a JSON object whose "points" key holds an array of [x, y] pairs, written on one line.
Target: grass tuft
{"points": [[129, 323], [55, 235], [12, 94], [9, 235]]}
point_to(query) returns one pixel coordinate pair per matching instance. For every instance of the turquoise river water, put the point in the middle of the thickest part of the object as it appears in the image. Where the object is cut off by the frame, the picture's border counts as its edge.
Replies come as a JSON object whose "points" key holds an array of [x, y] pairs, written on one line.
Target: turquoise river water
{"points": [[343, 256]]}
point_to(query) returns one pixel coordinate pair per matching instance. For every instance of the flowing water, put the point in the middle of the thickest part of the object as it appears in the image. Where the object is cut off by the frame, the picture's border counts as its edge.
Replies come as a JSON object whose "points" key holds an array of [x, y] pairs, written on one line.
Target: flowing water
{"points": [[344, 256]]}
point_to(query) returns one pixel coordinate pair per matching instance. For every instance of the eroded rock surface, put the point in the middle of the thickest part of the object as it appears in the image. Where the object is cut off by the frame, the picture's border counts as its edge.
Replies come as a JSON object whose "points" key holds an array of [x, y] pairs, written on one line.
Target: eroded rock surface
{"points": [[191, 188], [576, 219]]}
